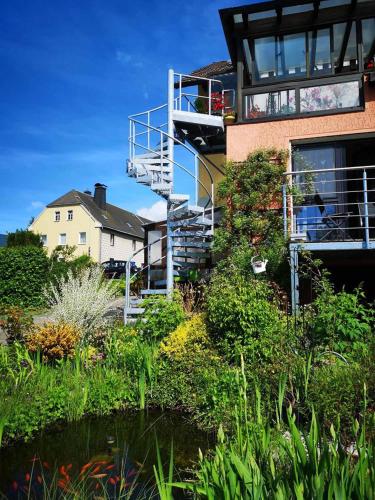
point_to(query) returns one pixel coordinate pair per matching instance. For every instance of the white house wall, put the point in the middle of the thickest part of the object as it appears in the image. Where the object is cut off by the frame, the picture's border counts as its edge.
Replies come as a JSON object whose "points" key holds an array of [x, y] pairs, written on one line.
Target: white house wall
{"points": [[122, 248]]}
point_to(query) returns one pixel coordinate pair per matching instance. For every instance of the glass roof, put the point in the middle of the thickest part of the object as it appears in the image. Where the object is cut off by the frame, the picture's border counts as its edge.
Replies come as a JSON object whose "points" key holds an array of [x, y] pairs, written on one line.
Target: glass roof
{"points": [[297, 9], [257, 16], [324, 4]]}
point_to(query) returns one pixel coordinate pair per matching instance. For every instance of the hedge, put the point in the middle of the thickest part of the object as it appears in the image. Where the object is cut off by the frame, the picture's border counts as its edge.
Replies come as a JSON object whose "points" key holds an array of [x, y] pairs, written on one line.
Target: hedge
{"points": [[23, 274]]}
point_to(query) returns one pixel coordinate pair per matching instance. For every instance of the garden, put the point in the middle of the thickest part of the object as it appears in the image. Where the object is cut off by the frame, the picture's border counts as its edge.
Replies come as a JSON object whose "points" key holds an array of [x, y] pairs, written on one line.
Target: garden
{"points": [[260, 402]]}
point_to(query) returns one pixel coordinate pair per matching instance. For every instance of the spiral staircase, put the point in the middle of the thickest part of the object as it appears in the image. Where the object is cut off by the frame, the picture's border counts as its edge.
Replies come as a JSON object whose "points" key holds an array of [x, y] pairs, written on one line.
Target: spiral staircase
{"points": [[155, 137]]}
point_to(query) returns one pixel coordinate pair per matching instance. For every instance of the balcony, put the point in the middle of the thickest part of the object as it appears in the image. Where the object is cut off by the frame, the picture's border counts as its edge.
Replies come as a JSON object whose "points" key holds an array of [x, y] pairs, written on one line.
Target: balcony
{"points": [[330, 208]]}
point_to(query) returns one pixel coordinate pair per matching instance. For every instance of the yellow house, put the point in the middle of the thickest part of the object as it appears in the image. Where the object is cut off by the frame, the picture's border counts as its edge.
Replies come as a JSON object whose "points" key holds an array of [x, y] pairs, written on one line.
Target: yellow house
{"points": [[95, 227]]}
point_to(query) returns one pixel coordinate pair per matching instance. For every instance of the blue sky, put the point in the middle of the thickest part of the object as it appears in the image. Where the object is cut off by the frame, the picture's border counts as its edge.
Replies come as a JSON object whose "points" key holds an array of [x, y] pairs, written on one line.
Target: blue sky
{"points": [[72, 72]]}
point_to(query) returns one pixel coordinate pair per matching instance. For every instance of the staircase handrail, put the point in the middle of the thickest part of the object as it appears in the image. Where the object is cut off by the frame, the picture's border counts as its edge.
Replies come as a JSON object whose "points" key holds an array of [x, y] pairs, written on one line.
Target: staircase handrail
{"points": [[196, 155]]}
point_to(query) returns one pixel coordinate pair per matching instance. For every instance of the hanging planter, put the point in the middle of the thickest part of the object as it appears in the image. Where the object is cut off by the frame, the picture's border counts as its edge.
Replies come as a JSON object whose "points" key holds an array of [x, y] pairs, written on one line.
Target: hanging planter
{"points": [[259, 265]]}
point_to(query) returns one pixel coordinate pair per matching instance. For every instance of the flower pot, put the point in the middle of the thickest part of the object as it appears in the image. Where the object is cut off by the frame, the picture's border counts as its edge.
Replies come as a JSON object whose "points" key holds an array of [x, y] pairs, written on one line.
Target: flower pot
{"points": [[258, 265], [229, 120]]}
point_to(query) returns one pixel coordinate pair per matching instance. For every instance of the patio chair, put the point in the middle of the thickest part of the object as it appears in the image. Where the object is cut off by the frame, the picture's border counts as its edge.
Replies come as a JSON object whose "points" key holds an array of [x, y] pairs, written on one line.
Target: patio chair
{"points": [[334, 225]]}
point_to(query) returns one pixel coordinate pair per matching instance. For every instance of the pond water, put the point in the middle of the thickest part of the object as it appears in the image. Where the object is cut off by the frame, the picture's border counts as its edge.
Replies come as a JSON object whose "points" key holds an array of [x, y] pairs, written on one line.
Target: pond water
{"points": [[118, 451]]}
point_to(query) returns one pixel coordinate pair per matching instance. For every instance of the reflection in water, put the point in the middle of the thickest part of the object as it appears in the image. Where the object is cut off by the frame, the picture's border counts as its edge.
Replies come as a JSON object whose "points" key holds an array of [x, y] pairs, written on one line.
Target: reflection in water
{"points": [[117, 451]]}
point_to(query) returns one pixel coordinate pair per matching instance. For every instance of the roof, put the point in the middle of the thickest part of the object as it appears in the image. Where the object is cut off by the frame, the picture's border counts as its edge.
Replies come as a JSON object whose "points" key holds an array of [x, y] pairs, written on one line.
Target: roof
{"points": [[208, 71], [269, 17], [112, 217]]}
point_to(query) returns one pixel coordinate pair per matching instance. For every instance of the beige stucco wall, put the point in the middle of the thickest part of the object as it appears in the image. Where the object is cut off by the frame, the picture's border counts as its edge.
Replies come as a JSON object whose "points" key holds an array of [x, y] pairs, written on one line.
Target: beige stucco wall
{"points": [[122, 249], [82, 222], [245, 138], [218, 160]]}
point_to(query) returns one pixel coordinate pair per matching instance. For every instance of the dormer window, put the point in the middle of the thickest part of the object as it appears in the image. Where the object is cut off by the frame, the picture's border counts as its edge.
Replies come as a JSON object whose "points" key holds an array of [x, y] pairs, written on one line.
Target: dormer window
{"points": [[57, 216], [70, 215]]}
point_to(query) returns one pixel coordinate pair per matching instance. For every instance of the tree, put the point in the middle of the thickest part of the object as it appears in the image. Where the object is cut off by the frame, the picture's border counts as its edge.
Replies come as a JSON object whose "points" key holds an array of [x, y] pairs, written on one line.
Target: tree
{"points": [[252, 221]]}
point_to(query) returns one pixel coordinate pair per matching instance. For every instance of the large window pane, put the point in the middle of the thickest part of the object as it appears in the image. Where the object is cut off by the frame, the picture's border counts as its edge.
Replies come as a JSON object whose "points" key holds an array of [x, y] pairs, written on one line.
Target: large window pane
{"points": [[270, 104], [368, 36], [325, 97], [320, 52], [265, 57], [292, 55], [345, 47]]}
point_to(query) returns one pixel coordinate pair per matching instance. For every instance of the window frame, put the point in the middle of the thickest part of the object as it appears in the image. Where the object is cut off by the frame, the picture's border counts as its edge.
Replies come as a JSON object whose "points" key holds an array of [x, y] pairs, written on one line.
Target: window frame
{"points": [[79, 238], [69, 212], [297, 86], [66, 239], [44, 239], [57, 217]]}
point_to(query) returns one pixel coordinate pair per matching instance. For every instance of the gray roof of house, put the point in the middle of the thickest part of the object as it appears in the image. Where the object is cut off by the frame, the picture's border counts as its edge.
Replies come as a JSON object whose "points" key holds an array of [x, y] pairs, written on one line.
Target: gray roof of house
{"points": [[112, 217]]}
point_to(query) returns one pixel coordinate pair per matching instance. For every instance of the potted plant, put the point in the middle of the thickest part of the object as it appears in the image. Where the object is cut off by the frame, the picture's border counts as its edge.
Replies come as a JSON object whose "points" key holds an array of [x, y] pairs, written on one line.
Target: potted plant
{"points": [[200, 105], [229, 117]]}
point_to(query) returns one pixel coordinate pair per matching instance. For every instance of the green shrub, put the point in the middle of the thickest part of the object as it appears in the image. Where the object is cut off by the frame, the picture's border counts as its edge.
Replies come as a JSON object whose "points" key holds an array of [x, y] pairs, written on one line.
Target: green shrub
{"points": [[243, 317], [341, 322], [23, 274], [54, 340], [162, 316], [22, 238], [15, 322]]}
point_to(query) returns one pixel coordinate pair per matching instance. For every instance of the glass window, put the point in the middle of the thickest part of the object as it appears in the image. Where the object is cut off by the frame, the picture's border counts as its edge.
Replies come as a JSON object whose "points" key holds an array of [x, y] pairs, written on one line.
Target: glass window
{"points": [[57, 216], [320, 52], [43, 239], [368, 37], [265, 57], [112, 239], [82, 238], [292, 55], [345, 57], [62, 239], [70, 215], [325, 97], [270, 104]]}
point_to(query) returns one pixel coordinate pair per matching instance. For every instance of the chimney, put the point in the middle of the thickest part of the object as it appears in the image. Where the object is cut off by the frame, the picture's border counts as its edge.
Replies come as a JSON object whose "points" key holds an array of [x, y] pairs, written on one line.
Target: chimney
{"points": [[100, 195], [88, 192]]}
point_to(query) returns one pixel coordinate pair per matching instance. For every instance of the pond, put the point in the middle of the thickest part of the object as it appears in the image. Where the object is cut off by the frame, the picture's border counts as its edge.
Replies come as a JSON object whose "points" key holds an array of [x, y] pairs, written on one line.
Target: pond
{"points": [[116, 452]]}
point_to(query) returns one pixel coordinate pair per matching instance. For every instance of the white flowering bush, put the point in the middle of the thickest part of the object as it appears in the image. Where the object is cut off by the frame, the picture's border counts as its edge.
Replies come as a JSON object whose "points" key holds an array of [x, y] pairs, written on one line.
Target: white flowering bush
{"points": [[82, 300]]}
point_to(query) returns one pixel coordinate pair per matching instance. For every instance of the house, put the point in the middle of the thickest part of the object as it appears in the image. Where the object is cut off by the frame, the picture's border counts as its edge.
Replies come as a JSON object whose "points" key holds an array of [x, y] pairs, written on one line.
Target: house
{"points": [[95, 227], [301, 76]]}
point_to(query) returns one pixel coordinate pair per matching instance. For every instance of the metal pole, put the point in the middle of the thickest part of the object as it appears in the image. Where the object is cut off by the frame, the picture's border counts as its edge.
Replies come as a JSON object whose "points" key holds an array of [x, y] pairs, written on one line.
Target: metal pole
{"points": [[170, 157], [127, 291], [149, 267], [209, 97], [365, 206], [196, 178], [294, 276], [285, 212]]}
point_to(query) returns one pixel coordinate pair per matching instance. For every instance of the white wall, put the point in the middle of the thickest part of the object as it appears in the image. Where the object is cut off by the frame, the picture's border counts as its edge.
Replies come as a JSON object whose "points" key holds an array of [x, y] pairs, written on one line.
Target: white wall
{"points": [[122, 248]]}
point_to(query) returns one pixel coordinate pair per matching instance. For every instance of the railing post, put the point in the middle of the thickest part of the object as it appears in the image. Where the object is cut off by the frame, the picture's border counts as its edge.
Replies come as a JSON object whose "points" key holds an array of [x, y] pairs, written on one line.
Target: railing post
{"points": [[365, 206], [294, 277], [209, 97], [196, 178], [127, 291], [149, 266], [180, 91], [285, 212], [148, 130], [170, 158]]}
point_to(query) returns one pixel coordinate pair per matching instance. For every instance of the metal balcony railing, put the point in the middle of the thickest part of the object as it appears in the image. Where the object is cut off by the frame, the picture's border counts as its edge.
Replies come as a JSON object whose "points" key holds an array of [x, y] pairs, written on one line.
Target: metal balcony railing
{"points": [[330, 204], [214, 100]]}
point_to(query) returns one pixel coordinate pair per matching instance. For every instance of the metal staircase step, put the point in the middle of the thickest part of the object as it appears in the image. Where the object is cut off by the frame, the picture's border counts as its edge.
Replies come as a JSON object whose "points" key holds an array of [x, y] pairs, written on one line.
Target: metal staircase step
{"points": [[191, 255], [193, 234], [179, 199], [134, 310], [164, 187], [154, 292], [198, 221], [184, 264], [144, 179], [150, 161], [186, 211], [192, 244]]}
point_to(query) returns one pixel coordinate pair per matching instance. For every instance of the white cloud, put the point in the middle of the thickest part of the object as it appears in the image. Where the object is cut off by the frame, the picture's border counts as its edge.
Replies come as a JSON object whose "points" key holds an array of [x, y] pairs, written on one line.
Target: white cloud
{"points": [[157, 211], [37, 204]]}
